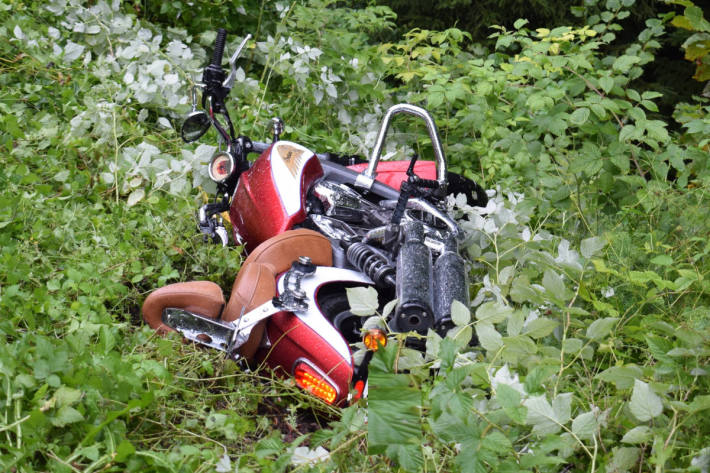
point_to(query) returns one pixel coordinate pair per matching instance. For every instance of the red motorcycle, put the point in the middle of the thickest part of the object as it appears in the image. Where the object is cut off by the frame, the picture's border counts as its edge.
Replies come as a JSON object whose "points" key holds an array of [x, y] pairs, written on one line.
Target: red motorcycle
{"points": [[315, 225]]}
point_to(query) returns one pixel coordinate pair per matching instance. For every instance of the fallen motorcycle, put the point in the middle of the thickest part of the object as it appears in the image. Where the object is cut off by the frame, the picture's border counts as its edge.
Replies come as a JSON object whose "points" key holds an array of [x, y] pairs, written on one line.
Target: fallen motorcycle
{"points": [[315, 225]]}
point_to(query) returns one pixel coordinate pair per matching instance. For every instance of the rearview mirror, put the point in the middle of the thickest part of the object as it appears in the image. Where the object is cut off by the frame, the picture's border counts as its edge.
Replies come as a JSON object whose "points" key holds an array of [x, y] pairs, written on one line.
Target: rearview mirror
{"points": [[196, 124]]}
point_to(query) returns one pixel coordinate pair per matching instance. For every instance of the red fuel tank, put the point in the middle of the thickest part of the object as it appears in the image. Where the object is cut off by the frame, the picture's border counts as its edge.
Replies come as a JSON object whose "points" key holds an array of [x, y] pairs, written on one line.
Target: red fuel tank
{"points": [[270, 197]]}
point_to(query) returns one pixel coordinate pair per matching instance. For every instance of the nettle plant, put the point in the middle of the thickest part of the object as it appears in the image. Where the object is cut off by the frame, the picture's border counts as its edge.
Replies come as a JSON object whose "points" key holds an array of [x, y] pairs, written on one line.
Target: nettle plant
{"points": [[134, 86], [528, 324], [549, 110], [140, 79], [533, 378], [578, 360], [322, 75]]}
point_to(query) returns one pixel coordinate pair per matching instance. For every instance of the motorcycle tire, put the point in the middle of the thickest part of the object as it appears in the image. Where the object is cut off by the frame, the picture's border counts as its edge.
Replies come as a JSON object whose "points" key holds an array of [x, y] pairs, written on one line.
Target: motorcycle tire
{"points": [[334, 305]]}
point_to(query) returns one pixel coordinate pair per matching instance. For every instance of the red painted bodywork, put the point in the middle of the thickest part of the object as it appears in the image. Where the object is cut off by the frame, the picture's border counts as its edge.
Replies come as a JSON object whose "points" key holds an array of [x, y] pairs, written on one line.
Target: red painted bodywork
{"points": [[393, 173], [292, 340], [257, 212]]}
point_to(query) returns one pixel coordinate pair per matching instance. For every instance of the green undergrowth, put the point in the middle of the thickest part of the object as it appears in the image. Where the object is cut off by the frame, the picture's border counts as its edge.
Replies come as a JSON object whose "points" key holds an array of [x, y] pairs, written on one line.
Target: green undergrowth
{"points": [[586, 343]]}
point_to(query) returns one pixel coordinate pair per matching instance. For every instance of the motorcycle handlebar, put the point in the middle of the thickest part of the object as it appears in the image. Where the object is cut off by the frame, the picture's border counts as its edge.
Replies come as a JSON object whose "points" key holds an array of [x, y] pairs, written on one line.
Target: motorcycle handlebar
{"points": [[219, 47], [259, 147]]}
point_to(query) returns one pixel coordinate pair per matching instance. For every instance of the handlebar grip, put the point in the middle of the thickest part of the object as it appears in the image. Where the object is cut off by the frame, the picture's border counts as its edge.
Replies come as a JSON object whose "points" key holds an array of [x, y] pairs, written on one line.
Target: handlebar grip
{"points": [[427, 183], [219, 47]]}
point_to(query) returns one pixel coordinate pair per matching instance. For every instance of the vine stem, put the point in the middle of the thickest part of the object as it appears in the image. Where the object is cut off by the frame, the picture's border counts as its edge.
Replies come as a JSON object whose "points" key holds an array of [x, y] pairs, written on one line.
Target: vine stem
{"points": [[115, 156], [16, 423], [268, 65], [566, 323], [56, 458]]}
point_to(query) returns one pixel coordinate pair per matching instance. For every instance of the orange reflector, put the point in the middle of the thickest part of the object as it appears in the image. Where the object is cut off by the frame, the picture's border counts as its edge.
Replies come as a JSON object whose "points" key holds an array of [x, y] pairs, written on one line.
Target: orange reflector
{"points": [[374, 338], [310, 380]]}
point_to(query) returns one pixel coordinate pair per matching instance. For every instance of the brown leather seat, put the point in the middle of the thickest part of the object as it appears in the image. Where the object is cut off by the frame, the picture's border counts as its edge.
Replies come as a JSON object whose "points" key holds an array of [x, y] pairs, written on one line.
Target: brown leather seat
{"points": [[254, 285]]}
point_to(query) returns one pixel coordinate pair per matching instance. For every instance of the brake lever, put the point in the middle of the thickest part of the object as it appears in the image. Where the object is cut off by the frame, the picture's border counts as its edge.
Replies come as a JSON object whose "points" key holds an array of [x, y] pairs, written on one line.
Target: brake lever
{"points": [[229, 81]]}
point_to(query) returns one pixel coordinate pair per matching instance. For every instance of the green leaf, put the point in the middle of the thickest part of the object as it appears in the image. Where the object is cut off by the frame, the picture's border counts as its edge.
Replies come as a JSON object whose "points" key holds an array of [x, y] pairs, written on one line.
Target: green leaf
{"points": [[469, 459], [522, 291], [515, 323], [584, 425], [409, 457], [623, 459], [541, 416], [700, 403], [393, 412], [628, 132], [537, 376], [493, 312], [651, 106], [540, 327], [488, 337], [453, 426], [562, 405], [496, 442], [591, 246], [447, 352], [656, 129], [621, 161], [124, 450], [66, 415], [662, 260], [624, 63], [552, 282], [645, 404], [12, 127], [136, 197], [694, 14], [62, 176], [362, 300], [638, 115], [66, 396], [622, 376], [640, 434], [519, 346], [633, 95], [461, 335], [389, 307], [519, 23], [579, 116], [433, 344], [509, 399], [460, 315], [598, 110], [650, 95], [600, 328], [606, 83]]}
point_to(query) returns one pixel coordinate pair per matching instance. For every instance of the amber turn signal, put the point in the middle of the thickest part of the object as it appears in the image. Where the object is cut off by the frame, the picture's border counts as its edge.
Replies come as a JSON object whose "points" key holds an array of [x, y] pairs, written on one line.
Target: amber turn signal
{"points": [[374, 338]]}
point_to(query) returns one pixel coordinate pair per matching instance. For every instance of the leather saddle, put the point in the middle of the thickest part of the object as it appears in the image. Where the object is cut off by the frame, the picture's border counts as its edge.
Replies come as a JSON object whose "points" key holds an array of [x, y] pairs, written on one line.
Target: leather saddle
{"points": [[255, 284]]}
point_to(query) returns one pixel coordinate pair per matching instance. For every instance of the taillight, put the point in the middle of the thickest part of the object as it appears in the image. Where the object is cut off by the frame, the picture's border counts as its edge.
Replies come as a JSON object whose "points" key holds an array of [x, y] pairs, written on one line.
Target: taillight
{"points": [[222, 166], [312, 380]]}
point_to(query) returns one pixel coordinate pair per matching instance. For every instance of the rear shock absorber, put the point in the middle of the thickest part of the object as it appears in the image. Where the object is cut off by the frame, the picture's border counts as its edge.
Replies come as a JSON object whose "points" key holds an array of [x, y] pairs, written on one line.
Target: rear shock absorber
{"points": [[370, 262]]}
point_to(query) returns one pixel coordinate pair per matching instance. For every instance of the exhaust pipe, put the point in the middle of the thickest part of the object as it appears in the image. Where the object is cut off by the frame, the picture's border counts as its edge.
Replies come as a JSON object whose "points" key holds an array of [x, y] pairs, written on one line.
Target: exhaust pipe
{"points": [[414, 282], [450, 284]]}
